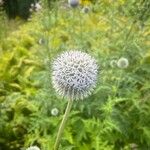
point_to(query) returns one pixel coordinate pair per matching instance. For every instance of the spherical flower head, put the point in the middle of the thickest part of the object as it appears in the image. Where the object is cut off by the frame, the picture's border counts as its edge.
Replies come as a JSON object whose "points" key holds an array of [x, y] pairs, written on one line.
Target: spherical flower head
{"points": [[38, 7], [123, 63], [33, 148], [54, 112], [113, 63], [41, 41], [32, 5], [31, 10], [74, 74], [73, 3], [85, 9], [1, 2]]}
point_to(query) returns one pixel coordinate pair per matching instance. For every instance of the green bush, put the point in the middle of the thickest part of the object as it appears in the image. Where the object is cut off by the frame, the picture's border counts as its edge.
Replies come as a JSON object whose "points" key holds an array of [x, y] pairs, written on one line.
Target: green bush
{"points": [[18, 8]]}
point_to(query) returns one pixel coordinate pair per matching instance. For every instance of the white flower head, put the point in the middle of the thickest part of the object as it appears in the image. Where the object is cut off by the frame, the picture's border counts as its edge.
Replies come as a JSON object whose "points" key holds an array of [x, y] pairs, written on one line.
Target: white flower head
{"points": [[33, 148], [38, 7], [31, 10], [54, 112], [41, 41], [85, 9], [123, 63], [113, 63], [74, 74], [29, 19], [32, 5], [1, 2], [73, 3]]}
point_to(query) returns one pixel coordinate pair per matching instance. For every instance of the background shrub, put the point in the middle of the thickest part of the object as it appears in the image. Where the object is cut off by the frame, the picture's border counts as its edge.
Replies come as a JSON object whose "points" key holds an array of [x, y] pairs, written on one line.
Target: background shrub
{"points": [[18, 8]]}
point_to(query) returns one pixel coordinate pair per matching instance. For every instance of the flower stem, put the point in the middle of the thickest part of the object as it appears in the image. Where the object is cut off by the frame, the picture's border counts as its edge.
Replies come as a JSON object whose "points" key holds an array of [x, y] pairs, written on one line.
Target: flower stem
{"points": [[62, 125], [118, 83], [81, 29]]}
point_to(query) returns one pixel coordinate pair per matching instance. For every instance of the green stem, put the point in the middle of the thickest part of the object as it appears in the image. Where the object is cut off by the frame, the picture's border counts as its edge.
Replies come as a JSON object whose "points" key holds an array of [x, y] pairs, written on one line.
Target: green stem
{"points": [[81, 29], [73, 27], [118, 82], [62, 125]]}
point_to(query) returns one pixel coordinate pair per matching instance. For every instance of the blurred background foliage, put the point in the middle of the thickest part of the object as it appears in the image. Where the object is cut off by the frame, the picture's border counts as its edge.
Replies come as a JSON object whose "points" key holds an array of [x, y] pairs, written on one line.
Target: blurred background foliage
{"points": [[116, 116]]}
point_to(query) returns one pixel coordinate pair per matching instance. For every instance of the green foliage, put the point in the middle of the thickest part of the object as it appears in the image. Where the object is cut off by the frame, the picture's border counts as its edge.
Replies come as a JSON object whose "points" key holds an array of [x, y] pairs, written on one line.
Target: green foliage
{"points": [[116, 116], [140, 10]]}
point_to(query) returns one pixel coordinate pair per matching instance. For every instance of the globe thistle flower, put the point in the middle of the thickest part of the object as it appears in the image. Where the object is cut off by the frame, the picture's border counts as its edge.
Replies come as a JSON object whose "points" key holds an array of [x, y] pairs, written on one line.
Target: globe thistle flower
{"points": [[73, 3], [30, 10], [123, 63], [38, 7], [33, 148], [41, 41], [1, 1], [32, 5], [133, 146], [35, 7], [74, 74], [29, 19], [85, 9], [54, 112], [113, 63]]}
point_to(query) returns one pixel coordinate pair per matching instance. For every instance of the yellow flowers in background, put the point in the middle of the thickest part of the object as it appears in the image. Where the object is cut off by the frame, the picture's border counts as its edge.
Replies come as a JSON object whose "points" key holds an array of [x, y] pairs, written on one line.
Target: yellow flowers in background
{"points": [[85, 2]]}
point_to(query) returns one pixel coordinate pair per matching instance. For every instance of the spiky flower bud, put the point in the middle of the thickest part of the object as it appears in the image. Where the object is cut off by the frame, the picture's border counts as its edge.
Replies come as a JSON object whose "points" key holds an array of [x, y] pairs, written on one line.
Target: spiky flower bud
{"points": [[113, 63], [41, 41], [1, 2], [30, 10], [85, 9], [54, 112], [74, 74], [32, 5], [73, 3], [123, 63], [38, 7], [33, 148]]}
